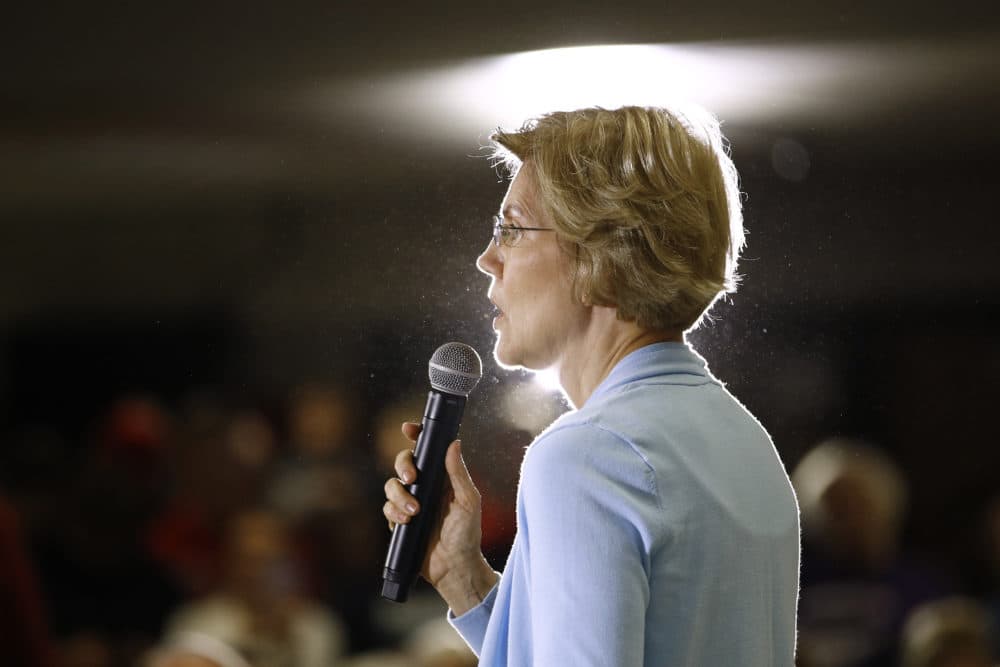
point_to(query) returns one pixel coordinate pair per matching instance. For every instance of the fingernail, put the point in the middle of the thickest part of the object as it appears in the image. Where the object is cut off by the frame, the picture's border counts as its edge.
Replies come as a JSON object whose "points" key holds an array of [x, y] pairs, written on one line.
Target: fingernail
{"points": [[411, 508], [406, 477]]}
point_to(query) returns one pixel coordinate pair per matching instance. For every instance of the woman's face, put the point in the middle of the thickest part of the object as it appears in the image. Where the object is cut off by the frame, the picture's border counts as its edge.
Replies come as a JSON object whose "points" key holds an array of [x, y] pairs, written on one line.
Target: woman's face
{"points": [[532, 285]]}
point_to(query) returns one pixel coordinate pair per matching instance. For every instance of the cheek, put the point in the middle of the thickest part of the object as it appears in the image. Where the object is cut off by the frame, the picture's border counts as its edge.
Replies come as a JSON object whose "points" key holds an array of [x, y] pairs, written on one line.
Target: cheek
{"points": [[540, 284]]}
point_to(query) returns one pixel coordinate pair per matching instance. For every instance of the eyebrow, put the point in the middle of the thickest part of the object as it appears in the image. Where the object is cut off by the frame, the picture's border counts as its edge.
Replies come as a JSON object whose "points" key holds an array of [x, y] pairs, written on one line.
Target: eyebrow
{"points": [[512, 211]]}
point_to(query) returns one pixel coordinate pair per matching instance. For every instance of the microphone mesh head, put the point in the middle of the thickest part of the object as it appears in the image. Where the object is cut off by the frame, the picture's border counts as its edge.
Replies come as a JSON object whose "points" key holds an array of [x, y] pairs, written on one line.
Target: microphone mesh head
{"points": [[455, 368]]}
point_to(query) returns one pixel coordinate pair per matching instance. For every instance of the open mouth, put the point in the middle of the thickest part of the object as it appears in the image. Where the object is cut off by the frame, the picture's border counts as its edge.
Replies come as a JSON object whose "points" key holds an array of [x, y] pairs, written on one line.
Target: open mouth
{"points": [[497, 314]]}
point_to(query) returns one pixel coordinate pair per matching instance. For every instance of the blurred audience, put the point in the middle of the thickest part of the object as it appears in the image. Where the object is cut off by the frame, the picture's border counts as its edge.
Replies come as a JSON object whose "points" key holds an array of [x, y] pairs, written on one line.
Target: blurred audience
{"points": [[221, 462], [952, 632], [24, 634], [381, 658], [317, 475], [264, 526], [989, 589], [856, 586], [436, 644], [388, 436], [106, 596], [432, 643], [193, 649], [260, 610], [325, 486]]}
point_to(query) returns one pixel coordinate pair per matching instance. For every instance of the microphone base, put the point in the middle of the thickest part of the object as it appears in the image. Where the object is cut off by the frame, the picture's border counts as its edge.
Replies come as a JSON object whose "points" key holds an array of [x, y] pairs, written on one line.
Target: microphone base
{"points": [[394, 586]]}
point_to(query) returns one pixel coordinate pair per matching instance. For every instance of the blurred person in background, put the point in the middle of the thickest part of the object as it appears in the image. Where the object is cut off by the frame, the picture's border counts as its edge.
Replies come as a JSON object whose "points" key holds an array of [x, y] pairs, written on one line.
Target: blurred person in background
{"points": [[105, 595], [428, 644], [434, 643], [409, 408], [259, 610], [380, 658], [324, 487], [24, 633], [952, 632], [193, 649], [984, 562], [316, 474], [856, 586], [221, 461], [656, 522], [992, 530]]}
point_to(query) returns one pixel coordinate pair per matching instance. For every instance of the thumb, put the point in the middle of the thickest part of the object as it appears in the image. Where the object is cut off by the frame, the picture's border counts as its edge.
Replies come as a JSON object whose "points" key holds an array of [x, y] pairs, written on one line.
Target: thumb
{"points": [[461, 481]]}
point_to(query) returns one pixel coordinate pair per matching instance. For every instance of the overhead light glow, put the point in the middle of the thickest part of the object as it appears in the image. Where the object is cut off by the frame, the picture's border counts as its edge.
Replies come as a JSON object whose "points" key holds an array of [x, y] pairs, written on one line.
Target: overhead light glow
{"points": [[470, 98], [744, 83], [515, 87]]}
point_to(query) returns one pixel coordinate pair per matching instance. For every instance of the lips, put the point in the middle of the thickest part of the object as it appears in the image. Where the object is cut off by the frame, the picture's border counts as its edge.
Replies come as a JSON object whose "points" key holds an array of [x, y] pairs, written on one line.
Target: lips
{"points": [[497, 310], [497, 313]]}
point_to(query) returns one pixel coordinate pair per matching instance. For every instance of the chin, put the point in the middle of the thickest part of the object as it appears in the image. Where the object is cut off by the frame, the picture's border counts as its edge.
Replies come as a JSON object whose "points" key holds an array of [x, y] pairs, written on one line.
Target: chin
{"points": [[514, 359], [504, 357]]}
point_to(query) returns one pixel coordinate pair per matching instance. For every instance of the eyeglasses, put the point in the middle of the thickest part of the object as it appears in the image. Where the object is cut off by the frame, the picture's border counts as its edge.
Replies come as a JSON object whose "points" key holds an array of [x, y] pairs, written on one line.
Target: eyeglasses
{"points": [[508, 235]]}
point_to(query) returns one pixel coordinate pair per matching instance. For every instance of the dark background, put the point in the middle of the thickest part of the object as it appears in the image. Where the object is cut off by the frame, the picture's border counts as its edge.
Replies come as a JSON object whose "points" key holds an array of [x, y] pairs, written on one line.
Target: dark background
{"points": [[172, 217]]}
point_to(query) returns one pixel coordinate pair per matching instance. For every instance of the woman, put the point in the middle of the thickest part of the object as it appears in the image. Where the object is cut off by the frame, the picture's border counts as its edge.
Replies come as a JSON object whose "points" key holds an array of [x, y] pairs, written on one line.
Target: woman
{"points": [[656, 523]]}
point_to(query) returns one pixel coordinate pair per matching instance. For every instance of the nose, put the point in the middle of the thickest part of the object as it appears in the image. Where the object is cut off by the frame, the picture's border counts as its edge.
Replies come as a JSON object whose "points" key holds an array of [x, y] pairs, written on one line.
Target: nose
{"points": [[490, 262]]}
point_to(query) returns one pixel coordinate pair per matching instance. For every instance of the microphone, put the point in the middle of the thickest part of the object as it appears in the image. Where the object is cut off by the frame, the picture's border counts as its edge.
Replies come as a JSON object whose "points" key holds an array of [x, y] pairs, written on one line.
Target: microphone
{"points": [[455, 370]]}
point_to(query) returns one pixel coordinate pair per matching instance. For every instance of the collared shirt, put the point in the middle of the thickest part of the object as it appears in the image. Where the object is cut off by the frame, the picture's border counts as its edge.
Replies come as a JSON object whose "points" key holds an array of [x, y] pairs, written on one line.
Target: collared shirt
{"points": [[656, 526]]}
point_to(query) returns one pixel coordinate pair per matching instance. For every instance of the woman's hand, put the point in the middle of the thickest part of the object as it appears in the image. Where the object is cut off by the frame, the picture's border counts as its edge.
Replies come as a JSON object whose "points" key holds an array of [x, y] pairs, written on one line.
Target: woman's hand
{"points": [[454, 563]]}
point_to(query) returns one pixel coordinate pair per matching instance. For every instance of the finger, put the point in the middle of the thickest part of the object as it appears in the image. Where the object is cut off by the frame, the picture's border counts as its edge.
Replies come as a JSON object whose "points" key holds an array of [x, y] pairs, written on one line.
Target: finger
{"points": [[400, 498], [393, 515], [461, 481], [411, 430], [404, 467]]}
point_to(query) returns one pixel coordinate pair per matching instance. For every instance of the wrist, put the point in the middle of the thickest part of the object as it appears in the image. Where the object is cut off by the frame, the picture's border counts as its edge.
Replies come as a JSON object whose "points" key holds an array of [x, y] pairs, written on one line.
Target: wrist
{"points": [[467, 586]]}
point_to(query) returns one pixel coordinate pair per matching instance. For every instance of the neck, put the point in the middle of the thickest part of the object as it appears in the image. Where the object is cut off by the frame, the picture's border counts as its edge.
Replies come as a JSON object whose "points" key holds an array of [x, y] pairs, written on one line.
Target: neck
{"points": [[608, 340]]}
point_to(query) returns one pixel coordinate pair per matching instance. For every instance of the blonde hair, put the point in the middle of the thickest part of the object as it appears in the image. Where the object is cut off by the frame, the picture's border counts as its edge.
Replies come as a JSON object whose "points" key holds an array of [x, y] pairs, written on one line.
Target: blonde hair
{"points": [[649, 198]]}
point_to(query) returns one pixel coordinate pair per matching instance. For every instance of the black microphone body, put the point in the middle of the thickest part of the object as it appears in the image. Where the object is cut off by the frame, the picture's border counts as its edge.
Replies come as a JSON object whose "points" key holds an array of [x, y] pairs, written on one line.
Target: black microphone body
{"points": [[439, 428]]}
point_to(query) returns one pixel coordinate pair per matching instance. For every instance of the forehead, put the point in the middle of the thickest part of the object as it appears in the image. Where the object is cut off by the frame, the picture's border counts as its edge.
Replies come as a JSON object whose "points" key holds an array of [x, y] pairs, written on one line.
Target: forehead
{"points": [[522, 194]]}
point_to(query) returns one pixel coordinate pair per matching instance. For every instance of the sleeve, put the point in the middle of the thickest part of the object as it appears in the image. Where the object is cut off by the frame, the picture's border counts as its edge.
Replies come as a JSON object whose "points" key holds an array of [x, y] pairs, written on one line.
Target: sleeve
{"points": [[472, 624], [586, 496]]}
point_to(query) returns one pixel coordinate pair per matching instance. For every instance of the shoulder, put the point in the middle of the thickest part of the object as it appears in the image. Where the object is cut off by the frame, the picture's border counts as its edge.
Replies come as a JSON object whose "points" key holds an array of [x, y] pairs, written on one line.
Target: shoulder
{"points": [[582, 453], [580, 438]]}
